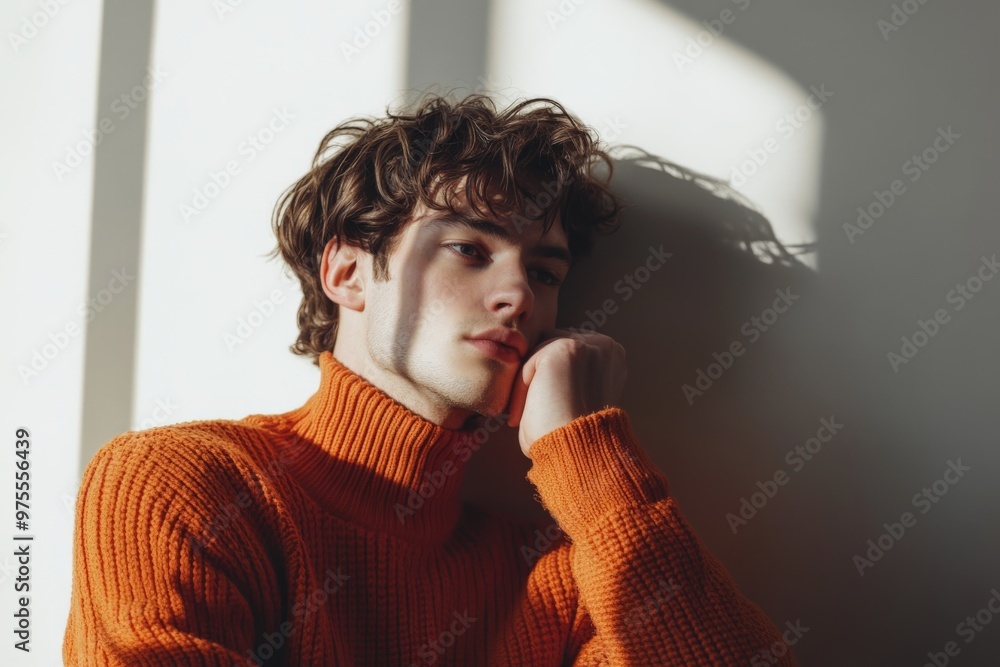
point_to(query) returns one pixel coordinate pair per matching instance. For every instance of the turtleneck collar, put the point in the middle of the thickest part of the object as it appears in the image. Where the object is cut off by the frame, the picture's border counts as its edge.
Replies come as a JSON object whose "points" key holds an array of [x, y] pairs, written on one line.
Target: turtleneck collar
{"points": [[366, 457]]}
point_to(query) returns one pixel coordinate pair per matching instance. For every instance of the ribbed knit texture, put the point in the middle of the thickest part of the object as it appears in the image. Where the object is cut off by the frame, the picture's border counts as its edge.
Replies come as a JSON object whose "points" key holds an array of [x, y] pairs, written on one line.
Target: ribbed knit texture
{"points": [[335, 534]]}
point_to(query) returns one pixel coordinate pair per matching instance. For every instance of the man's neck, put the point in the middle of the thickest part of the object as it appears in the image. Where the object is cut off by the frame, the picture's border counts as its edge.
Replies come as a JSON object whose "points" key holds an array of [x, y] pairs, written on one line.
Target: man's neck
{"points": [[405, 391]]}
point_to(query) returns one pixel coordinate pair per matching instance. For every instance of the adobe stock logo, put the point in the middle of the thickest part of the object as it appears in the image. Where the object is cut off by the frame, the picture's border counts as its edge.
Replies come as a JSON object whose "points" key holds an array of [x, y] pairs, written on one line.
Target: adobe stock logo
{"points": [[898, 18], [915, 167], [753, 329], [642, 614], [960, 295], [58, 340], [797, 457], [463, 449], [251, 146], [431, 651], [968, 629], [786, 126], [773, 654], [247, 326], [695, 46], [565, 9], [31, 27], [372, 29], [122, 107], [923, 500], [552, 537], [627, 285]]}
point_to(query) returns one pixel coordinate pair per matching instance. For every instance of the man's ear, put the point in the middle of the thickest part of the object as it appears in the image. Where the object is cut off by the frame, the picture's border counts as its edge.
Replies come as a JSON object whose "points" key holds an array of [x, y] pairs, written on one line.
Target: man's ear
{"points": [[341, 275]]}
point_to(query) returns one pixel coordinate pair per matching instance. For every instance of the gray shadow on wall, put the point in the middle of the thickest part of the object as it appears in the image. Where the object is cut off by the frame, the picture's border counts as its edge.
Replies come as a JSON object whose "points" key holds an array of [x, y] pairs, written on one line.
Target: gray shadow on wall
{"points": [[722, 366], [116, 225], [734, 349], [447, 43], [826, 356], [727, 282], [902, 73]]}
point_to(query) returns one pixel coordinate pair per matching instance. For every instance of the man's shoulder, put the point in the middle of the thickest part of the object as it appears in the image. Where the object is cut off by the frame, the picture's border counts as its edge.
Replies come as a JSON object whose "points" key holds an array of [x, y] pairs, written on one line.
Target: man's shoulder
{"points": [[183, 483], [203, 452], [174, 477]]}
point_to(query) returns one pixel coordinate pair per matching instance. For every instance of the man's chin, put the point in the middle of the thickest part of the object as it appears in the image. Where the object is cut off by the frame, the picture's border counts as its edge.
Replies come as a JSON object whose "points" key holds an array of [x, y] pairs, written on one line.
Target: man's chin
{"points": [[480, 419], [491, 411], [494, 399]]}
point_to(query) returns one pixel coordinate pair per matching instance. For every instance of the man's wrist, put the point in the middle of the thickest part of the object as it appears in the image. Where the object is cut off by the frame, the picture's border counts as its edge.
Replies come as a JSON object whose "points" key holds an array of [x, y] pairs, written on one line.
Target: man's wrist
{"points": [[591, 466]]}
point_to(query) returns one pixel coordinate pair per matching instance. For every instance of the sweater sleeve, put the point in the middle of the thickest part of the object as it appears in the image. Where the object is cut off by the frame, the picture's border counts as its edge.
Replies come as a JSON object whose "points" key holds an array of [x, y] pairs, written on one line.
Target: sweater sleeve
{"points": [[167, 568], [649, 591]]}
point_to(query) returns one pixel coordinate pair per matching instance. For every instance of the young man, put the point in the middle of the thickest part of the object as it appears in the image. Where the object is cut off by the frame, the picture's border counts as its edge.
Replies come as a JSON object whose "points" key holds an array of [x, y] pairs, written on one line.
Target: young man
{"points": [[430, 249]]}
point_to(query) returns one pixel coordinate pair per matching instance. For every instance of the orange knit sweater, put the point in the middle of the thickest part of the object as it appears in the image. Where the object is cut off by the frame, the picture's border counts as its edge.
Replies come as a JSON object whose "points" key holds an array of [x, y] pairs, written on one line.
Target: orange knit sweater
{"points": [[335, 534]]}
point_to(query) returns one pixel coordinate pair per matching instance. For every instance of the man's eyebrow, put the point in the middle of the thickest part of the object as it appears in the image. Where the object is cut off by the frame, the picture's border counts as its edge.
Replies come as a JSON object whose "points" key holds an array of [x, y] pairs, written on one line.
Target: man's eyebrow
{"points": [[500, 233]]}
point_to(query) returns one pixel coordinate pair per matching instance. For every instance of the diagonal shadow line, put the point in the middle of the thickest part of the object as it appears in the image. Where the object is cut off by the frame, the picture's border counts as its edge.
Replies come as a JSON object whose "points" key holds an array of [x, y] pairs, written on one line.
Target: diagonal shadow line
{"points": [[447, 43], [116, 225], [462, 27]]}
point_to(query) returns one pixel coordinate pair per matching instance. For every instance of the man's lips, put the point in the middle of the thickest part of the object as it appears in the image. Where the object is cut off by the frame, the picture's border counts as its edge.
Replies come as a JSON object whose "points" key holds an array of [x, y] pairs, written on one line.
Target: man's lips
{"points": [[496, 350], [504, 336]]}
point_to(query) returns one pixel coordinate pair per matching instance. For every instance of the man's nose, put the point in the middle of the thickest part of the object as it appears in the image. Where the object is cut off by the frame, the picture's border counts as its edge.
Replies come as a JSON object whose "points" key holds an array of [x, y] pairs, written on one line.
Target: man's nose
{"points": [[513, 293]]}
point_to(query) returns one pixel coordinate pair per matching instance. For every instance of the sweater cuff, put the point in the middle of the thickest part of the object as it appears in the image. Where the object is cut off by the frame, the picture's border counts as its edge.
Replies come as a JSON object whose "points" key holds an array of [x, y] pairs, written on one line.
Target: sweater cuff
{"points": [[591, 466]]}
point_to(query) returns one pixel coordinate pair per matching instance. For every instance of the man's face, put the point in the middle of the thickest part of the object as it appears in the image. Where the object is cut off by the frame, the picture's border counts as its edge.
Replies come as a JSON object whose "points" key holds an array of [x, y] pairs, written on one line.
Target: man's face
{"points": [[449, 282]]}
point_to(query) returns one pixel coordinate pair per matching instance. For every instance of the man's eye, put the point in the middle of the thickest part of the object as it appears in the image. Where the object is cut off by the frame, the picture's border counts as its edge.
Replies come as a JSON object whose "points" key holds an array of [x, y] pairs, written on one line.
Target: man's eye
{"points": [[462, 245], [547, 277], [551, 278]]}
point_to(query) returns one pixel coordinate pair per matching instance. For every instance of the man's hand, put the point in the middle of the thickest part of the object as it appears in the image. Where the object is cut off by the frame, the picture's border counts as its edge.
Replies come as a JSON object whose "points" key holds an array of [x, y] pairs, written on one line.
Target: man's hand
{"points": [[567, 375]]}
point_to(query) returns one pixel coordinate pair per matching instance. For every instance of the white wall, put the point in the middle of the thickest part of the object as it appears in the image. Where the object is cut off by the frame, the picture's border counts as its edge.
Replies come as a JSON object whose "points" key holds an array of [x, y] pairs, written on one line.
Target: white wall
{"points": [[277, 79], [224, 75], [49, 89], [643, 73], [617, 64]]}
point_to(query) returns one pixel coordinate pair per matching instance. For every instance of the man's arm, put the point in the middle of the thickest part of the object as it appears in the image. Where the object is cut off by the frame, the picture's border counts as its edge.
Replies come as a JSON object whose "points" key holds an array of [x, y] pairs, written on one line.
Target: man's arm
{"points": [[162, 564], [650, 593]]}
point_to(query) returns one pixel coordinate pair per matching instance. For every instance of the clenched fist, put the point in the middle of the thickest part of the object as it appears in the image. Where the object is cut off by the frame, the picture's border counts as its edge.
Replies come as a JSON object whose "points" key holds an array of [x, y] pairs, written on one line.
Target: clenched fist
{"points": [[567, 375]]}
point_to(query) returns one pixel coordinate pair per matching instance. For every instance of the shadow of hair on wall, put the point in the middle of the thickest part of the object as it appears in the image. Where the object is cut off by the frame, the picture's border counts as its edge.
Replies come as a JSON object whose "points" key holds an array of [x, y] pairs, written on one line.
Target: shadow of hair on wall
{"points": [[727, 280], [677, 282]]}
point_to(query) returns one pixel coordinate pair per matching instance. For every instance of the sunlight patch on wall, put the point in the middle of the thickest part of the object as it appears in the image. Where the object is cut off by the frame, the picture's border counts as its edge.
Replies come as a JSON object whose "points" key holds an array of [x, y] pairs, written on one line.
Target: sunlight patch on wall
{"points": [[250, 91], [641, 73]]}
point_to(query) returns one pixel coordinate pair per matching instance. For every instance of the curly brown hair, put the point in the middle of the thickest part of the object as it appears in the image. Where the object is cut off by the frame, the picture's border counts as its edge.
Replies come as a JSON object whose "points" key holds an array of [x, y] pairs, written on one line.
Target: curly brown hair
{"points": [[543, 159]]}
